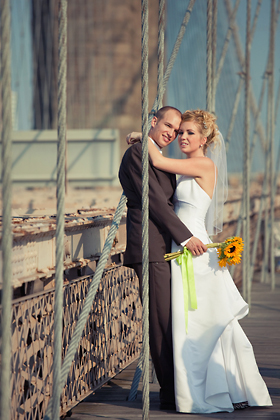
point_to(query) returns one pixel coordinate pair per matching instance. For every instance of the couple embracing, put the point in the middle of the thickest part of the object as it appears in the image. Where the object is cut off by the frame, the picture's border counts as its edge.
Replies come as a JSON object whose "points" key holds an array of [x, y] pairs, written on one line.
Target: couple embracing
{"points": [[207, 365]]}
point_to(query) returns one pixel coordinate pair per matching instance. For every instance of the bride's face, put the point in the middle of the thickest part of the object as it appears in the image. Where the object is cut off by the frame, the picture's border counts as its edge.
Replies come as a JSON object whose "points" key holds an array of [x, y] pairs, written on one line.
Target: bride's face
{"points": [[190, 139]]}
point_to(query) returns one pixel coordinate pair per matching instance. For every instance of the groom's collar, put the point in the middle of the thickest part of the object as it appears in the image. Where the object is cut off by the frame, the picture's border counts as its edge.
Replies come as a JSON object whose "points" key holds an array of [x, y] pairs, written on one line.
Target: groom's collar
{"points": [[157, 146]]}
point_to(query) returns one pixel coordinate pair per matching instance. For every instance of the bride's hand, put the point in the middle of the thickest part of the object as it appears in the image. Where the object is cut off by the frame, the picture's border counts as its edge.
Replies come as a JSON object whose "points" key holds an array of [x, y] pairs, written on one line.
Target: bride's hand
{"points": [[196, 246], [133, 137]]}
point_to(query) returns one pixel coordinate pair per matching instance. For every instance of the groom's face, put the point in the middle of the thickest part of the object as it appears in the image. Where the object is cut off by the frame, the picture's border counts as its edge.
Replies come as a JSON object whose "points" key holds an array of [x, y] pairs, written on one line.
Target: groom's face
{"points": [[163, 131]]}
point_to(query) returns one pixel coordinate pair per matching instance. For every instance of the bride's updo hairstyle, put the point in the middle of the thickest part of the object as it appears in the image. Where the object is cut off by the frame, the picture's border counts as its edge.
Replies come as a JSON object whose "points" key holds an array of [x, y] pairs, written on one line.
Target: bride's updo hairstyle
{"points": [[205, 122], [214, 148]]}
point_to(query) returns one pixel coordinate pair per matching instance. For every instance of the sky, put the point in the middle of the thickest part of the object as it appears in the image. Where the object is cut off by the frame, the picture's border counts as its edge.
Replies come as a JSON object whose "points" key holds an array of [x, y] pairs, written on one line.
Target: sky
{"points": [[21, 47], [187, 84]]}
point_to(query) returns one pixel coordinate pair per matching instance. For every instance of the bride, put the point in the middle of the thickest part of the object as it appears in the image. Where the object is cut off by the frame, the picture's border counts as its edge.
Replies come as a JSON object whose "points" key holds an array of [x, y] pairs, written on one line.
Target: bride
{"points": [[214, 363]]}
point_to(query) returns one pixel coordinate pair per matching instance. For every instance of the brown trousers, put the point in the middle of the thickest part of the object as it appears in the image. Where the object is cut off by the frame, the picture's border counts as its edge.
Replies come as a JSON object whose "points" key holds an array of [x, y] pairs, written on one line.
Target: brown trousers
{"points": [[160, 330]]}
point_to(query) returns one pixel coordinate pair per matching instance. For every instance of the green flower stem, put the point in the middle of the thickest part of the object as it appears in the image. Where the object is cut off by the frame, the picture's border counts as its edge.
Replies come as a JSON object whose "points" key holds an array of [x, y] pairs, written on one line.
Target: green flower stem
{"points": [[214, 245], [173, 255]]}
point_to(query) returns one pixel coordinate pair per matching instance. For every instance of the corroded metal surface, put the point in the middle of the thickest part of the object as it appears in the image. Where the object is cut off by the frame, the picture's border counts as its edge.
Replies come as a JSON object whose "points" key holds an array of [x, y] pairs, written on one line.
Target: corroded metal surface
{"points": [[110, 341], [33, 256]]}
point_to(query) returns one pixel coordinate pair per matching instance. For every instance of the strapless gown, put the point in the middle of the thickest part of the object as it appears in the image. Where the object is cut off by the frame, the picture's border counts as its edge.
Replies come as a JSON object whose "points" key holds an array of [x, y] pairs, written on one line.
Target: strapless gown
{"points": [[214, 363]]}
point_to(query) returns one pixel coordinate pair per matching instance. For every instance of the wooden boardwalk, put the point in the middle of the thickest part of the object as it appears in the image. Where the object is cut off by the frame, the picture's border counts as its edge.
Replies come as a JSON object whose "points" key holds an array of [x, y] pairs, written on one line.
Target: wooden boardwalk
{"points": [[262, 327]]}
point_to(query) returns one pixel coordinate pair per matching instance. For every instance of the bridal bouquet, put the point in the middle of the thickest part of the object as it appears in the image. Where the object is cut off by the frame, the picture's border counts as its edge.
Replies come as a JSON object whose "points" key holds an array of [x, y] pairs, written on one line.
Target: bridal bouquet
{"points": [[229, 251]]}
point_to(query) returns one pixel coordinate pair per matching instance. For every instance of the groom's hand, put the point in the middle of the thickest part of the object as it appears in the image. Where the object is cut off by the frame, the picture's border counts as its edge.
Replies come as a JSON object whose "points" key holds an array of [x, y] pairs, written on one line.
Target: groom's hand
{"points": [[196, 246]]}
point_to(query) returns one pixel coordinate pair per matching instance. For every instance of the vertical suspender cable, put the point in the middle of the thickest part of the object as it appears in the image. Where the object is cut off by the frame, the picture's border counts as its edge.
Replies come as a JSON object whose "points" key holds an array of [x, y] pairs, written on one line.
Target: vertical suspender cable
{"points": [[214, 51], [265, 192], [161, 25], [138, 372], [241, 60], [209, 78], [246, 285], [160, 74], [145, 206], [265, 182], [272, 130], [6, 300], [232, 15], [278, 154], [160, 93], [260, 213], [234, 113], [174, 53], [226, 43], [58, 304], [264, 274], [268, 164]]}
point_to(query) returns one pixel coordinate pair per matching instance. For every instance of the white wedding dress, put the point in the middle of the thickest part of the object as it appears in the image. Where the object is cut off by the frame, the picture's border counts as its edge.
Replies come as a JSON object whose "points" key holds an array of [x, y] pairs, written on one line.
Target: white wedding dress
{"points": [[214, 363]]}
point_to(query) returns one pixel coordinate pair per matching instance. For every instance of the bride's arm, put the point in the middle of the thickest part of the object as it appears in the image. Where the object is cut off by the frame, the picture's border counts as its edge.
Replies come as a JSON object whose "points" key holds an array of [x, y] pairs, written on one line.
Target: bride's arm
{"points": [[133, 137], [194, 167]]}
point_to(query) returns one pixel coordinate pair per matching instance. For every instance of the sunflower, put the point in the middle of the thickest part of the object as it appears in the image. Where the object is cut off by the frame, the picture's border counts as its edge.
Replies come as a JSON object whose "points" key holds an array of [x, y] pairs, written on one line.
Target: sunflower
{"points": [[229, 251]]}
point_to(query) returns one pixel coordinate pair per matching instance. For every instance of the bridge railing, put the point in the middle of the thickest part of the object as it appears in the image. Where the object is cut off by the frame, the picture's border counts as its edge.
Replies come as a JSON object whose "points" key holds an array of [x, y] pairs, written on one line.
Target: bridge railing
{"points": [[111, 340], [112, 335]]}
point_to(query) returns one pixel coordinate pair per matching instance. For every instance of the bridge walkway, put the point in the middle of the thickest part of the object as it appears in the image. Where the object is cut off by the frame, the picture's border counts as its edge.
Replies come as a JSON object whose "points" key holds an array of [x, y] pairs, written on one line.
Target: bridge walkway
{"points": [[262, 327]]}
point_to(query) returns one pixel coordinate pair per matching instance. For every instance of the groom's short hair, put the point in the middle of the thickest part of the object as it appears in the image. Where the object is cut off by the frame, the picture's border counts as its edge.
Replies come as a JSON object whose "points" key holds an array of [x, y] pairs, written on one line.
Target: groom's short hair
{"points": [[161, 112]]}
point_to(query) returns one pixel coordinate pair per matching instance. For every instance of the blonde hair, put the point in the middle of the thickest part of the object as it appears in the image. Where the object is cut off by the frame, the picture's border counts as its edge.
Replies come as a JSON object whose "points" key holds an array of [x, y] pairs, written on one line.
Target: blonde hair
{"points": [[206, 124]]}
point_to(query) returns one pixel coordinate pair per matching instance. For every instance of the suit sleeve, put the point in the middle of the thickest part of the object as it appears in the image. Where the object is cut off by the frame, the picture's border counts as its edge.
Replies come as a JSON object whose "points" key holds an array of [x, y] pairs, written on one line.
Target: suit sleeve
{"points": [[161, 211]]}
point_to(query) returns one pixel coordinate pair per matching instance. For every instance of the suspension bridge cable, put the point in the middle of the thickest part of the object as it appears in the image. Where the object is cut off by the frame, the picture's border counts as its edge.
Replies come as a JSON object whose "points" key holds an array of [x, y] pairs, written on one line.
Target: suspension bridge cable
{"points": [[6, 300], [158, 100], [214, 52], [258, 114], [269, 220], [264, 273], [58, 303], [232, 29], [260, 213], [241, 59], [278, 154], [209, 68], [272, 132], [145, 206], [226, 42], [246, 284], [256, 18], [234, 111], [264, 197], [69, 356], [256, 110], [136, 378], [160, 74], [173, 55]]}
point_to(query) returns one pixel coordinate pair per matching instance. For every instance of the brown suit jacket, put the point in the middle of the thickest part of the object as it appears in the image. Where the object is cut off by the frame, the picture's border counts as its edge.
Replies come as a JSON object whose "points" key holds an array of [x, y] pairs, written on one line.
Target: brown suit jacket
{"points": [[164, 225]]}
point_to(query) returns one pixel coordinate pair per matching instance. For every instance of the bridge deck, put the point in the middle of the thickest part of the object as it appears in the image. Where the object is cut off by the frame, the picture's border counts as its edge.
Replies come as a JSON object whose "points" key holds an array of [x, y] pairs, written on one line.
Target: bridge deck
{"points": [[262, 327]]}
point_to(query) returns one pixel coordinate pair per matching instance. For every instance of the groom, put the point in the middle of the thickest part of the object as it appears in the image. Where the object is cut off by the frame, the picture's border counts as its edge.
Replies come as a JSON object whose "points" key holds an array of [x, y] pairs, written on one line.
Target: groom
{"points": [[164, 226]]}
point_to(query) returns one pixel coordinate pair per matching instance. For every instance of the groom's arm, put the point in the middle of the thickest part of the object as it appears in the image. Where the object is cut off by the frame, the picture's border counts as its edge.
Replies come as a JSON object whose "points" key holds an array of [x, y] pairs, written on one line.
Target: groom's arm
{"points": [[160, 209]]}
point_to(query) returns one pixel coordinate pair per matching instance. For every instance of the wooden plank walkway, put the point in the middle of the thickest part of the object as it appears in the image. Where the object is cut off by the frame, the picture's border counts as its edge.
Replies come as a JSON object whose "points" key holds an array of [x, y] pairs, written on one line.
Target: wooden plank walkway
{"points": [[262, 327]]}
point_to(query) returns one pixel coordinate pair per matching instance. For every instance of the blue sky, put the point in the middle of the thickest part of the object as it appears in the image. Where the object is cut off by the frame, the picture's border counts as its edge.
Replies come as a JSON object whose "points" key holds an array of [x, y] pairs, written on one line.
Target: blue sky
{"points": [[22, 61], [187, 85]]}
